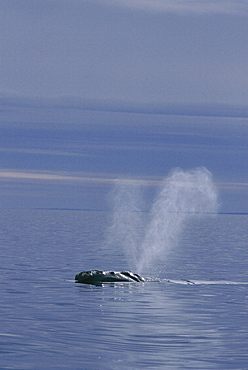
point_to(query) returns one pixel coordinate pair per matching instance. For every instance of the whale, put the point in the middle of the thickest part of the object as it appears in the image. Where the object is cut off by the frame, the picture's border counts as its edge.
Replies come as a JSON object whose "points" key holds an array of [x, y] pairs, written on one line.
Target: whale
{"points": [[98, 277]]}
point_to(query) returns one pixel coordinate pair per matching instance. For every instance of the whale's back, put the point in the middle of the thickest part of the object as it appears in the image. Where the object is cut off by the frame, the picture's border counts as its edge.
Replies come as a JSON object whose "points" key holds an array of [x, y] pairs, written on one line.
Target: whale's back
{"points": [[97, 277]]}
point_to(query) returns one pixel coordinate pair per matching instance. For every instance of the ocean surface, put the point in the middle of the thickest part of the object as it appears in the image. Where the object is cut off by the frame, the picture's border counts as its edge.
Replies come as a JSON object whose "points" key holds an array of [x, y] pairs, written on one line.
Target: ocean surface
{"points": [[196, 320]]}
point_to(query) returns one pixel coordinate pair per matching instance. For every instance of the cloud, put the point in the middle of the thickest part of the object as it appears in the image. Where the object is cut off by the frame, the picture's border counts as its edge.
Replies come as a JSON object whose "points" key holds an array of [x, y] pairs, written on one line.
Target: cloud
{"points": [[104, 105], [84, 179], [48, 176], [12, 175], [185, 6]]}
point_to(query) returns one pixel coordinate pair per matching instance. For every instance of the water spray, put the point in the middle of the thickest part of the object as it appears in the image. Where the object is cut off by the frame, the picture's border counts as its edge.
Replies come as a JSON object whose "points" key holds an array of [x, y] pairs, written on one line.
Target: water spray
{"points": [[182, 194]]}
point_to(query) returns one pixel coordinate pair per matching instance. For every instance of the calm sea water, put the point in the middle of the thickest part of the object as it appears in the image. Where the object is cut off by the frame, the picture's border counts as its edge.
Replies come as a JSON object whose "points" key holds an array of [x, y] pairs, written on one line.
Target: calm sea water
{"points": [[48, 321]]}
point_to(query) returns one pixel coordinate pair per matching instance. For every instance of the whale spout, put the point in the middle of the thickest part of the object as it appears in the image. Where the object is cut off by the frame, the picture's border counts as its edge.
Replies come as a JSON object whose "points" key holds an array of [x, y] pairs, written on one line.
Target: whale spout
{"points": [[97, 277]]}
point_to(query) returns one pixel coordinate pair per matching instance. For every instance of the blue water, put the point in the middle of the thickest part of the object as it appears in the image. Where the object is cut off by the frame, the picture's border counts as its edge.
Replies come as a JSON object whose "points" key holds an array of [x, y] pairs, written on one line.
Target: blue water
{"points": [[49, 322]]}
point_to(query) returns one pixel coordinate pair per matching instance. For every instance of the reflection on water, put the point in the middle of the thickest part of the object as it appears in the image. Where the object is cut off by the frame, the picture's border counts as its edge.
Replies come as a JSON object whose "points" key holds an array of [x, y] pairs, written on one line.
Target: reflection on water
{"points": [[146, 326], [48, 321]]}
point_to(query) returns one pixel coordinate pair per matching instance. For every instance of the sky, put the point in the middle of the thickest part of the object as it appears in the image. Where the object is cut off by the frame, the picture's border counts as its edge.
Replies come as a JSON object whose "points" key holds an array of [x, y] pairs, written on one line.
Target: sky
{"points": [[94, 90], [138, 51]]}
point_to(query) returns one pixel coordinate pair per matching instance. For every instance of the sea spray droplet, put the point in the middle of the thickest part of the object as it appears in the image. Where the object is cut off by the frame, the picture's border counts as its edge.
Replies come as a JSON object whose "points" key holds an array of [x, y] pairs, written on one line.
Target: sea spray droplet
{"points": [[125, 231], [183, 194]]}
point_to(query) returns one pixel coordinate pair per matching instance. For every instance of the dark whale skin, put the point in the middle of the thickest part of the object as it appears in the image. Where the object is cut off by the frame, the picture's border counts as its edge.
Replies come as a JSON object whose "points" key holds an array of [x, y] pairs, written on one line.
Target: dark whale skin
{"points": [[97, 277]]}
